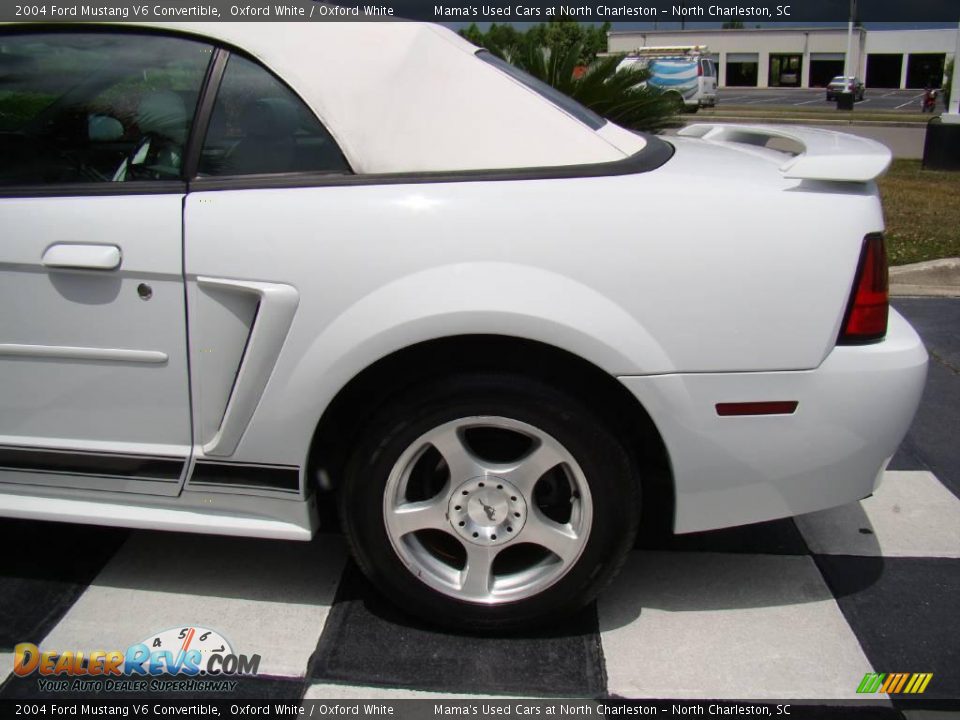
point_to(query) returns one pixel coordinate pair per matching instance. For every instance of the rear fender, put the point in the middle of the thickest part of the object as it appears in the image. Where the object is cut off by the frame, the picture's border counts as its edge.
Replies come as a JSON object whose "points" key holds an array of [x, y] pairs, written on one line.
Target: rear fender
{"points": [[462, 299]]}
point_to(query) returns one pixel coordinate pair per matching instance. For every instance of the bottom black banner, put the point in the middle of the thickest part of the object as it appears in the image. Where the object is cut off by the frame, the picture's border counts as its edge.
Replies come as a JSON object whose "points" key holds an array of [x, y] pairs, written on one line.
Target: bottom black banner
{"points": [[475, 707]]}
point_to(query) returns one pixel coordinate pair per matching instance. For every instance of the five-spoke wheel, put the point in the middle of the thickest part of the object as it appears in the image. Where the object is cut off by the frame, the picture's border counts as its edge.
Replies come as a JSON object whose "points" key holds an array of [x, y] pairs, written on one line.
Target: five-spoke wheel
{"points": [[489, 501]]}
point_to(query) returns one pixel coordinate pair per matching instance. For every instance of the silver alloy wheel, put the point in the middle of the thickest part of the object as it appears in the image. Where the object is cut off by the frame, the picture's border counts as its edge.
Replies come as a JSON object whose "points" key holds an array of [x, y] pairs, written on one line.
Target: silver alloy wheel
{"points": [[488, 506]]}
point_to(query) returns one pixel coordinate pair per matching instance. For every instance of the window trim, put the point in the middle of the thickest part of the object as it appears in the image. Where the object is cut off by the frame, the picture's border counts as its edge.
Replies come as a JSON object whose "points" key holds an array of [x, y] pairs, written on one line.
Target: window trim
{"points": [[95, 189], [204, 111], [653, 155]]}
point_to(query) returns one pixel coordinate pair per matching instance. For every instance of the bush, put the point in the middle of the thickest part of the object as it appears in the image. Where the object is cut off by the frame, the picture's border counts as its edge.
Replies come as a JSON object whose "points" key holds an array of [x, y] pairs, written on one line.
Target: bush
{"points": [[564, 54]]}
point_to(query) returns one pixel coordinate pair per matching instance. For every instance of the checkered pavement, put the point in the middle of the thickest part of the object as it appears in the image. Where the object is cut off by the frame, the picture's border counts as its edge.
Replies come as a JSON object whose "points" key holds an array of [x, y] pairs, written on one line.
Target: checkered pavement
{"points": [[791, 609]]}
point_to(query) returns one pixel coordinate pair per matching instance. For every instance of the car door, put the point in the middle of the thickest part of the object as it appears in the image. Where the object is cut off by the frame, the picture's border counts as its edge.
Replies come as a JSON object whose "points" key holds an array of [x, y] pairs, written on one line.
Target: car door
{"points": [[94, 390], [245, 286]]}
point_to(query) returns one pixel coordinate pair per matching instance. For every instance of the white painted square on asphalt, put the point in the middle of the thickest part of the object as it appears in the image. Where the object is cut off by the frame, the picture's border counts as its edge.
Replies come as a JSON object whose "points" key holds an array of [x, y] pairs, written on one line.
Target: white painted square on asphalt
{"points": [[710, 625], [6, 665], [266, 597], [910, 515]]}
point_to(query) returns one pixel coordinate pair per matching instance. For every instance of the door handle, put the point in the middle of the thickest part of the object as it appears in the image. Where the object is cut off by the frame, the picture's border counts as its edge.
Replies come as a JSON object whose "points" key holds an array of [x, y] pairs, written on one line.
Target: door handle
{"points": [[84, 257]]}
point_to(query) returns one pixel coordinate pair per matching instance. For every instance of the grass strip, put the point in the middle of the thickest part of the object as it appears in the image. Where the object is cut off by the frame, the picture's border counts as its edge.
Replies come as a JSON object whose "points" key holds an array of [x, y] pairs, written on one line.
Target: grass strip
{"points": [[922, 212]]}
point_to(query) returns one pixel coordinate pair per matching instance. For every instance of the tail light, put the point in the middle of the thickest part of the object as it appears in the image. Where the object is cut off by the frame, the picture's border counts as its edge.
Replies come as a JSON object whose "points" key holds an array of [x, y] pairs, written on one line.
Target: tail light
{"points": [[866, 318], [699, 69]]}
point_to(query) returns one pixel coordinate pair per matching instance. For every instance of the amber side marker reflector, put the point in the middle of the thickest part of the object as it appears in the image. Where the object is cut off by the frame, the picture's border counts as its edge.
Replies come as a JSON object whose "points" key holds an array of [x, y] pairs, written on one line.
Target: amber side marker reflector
{"points": [[777, 407]]}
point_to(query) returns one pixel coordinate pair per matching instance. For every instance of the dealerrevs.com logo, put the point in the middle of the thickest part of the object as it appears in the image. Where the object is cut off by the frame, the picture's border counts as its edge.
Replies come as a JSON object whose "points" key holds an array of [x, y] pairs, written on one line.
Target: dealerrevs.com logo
{"points": [[187, 659]]}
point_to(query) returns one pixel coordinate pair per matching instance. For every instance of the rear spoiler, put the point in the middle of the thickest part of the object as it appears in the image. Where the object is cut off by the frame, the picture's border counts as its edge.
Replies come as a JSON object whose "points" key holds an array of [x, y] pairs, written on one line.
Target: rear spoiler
{"points": [[826, 155]]}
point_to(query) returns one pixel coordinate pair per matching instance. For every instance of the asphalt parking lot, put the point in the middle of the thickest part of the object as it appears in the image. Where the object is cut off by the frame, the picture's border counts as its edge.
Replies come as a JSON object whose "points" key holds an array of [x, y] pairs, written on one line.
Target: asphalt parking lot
{"points": [[879, 99], [789, 609]]}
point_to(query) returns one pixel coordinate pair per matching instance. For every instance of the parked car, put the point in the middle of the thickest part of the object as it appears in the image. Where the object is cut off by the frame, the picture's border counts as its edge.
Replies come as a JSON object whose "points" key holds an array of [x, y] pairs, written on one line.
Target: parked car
{"points": [[244, 280], [840, 84]]}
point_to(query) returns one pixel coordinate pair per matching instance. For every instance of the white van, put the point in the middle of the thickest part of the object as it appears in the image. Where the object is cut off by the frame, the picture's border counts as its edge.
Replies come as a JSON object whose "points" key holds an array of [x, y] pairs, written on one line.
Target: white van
{"points": [[685, 70]]}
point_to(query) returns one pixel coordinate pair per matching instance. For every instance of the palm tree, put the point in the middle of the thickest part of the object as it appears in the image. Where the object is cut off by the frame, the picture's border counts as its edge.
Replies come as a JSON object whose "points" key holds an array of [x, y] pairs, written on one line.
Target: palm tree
{"points": [[621, 96]]}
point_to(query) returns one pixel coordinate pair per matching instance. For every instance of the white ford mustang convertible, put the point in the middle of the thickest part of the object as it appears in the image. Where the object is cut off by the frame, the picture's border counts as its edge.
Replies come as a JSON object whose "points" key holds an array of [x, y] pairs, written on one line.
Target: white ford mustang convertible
{"points": [[249, 270]]}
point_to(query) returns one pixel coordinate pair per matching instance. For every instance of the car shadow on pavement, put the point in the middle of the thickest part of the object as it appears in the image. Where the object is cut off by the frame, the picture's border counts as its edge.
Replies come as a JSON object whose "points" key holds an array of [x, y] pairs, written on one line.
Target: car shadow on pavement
{"points": [[47, 566], [765, 565], [777, 537], [367, 640]]}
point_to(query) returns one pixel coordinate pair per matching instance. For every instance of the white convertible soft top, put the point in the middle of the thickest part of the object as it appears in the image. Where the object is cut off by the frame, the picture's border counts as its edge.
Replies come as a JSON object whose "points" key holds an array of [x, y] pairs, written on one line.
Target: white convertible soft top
{"points": [[408, 97]]}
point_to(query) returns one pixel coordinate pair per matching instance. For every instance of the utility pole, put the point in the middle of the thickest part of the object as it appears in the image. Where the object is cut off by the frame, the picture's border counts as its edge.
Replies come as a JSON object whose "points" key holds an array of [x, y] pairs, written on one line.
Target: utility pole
{"points": [[941, 147], [846, 57], [848, 67], [952, 116], [846, 98]]}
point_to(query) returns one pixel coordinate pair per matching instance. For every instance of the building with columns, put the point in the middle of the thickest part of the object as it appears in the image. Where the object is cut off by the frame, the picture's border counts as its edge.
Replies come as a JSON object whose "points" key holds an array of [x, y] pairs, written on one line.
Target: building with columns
{"points": [[809, 57]]}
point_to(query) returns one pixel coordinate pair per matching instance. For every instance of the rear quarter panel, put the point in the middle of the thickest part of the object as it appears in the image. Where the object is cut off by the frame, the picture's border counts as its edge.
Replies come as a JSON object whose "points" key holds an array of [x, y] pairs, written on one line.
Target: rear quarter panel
{"points": [[700, 266]]}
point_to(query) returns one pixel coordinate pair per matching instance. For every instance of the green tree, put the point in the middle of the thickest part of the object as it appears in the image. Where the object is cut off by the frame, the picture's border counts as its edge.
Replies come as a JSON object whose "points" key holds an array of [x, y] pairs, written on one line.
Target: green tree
{"points": [[732, 25], [553, 52], [618, 95], [594, 41], [474, 34], [506, 41]]}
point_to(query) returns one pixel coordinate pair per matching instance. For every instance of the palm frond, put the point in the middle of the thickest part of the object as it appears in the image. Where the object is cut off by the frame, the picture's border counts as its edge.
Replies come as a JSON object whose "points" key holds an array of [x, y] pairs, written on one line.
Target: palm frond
{"points": [[618, 95]]}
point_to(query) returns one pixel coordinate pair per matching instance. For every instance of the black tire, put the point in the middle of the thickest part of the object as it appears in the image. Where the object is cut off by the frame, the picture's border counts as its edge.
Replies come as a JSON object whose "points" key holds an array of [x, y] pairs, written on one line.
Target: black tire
{"points": [[613, 489], [676, 99]]}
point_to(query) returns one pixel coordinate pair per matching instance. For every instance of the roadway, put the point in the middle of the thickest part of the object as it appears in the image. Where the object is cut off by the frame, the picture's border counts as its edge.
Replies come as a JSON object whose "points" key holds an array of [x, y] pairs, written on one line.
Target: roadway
{"points": [[905, 140], [875, 100]]}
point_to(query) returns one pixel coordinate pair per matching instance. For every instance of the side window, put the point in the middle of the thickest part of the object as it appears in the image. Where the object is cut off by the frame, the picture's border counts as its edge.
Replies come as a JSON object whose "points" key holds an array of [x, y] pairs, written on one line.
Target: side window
{"points": [[96, 107], [259, 126]]}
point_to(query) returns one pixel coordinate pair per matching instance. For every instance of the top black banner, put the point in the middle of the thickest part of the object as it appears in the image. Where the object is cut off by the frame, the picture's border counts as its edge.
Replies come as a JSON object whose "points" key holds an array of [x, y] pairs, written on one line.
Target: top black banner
{"points": [[665, 13]]}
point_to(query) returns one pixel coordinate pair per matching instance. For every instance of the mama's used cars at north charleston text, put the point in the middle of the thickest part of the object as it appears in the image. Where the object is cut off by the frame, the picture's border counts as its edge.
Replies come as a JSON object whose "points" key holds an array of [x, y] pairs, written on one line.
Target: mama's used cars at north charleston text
{"points": [[246, 271]]}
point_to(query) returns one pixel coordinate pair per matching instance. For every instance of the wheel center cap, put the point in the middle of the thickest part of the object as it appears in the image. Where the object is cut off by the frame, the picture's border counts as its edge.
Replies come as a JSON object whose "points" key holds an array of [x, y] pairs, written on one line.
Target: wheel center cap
{"points": [[487, 511], [487, 507]]}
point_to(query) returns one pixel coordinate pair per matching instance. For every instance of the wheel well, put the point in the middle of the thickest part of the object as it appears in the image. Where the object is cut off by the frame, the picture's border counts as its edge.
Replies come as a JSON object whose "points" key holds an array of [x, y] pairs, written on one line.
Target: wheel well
{"points": [[356, 402]]}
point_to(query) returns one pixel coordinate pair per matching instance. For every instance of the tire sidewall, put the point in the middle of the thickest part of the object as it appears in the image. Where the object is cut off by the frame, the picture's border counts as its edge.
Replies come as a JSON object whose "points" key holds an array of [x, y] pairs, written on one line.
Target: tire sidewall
{"points": [[602, 458]]}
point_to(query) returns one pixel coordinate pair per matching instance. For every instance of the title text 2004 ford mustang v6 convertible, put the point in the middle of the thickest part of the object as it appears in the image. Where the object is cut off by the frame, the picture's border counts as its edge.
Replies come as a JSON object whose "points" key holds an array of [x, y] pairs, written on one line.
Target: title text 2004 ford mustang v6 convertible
{"points": [[247, 270]]}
